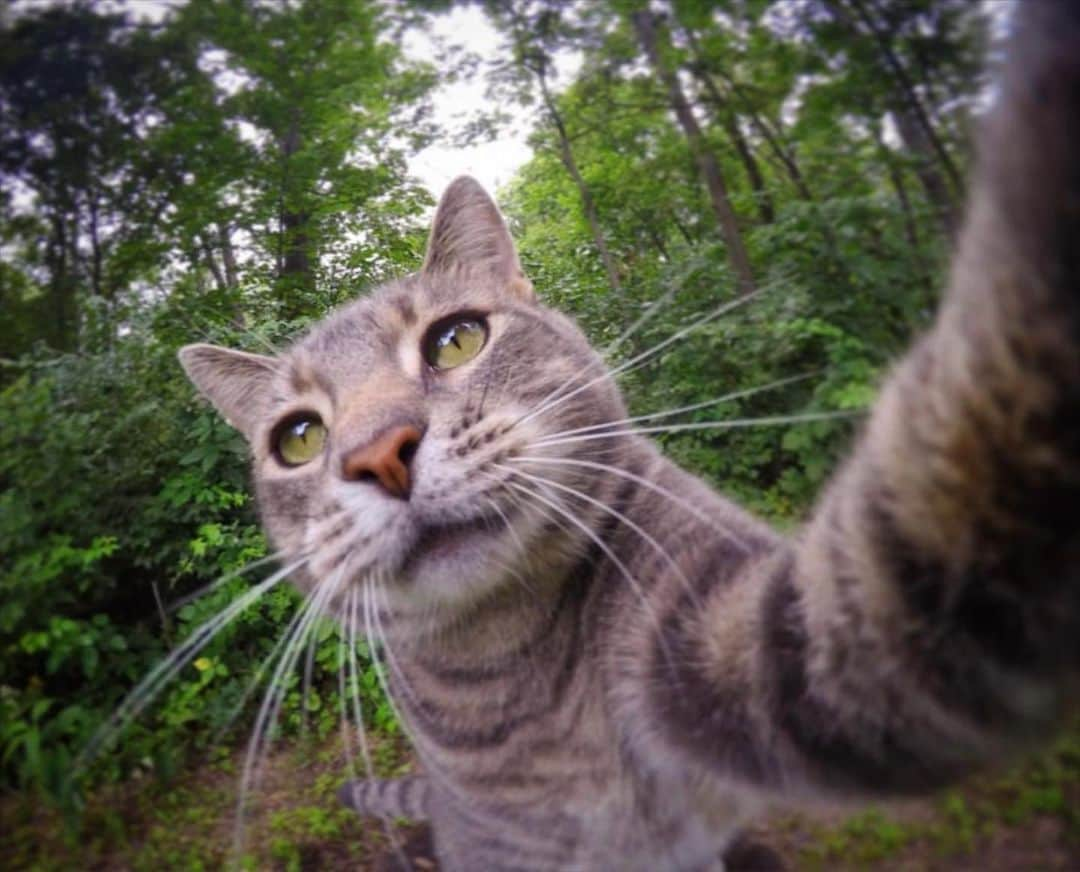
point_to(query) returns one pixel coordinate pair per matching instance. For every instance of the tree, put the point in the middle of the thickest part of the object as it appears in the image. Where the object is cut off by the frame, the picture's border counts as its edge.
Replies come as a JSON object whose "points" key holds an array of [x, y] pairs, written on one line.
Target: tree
{"points": [[536, 31], [325, 104], [80, 94], [650, 35]]}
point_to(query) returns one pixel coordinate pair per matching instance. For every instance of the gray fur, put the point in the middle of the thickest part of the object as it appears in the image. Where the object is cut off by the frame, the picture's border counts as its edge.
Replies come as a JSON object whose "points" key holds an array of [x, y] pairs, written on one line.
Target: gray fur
{"points": [[622, 686]]}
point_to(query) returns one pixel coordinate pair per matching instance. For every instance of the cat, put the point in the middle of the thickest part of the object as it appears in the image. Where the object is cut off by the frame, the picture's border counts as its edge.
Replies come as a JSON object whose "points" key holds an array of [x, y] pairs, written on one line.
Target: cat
{"points": [[605, 665]]}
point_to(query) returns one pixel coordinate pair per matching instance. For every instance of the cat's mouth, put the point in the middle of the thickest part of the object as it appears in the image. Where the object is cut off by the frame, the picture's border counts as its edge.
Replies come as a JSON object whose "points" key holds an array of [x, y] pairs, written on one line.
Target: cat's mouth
{"points": [[436, 541]]}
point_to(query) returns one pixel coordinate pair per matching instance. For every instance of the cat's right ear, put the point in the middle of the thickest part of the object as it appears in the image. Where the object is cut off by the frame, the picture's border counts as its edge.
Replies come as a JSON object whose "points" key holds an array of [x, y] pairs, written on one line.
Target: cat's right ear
{"points": [[469, 234], [235, 382]]}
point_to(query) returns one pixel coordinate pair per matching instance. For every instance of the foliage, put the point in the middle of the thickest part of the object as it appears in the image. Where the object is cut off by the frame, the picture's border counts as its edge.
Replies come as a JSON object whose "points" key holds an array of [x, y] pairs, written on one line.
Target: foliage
{"points": [[145, 508], [1039, 786], [225, 175]]}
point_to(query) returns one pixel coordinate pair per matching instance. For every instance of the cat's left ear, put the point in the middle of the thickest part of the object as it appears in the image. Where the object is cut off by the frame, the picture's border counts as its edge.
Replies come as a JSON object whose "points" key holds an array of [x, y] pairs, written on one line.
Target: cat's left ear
{"points": [[469, 234], [238, 384]]}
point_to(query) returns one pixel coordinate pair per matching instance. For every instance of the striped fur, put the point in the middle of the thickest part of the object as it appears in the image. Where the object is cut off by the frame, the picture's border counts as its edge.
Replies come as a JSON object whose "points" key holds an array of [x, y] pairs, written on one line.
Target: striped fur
{"points": [[397, 798], [605, 665]]}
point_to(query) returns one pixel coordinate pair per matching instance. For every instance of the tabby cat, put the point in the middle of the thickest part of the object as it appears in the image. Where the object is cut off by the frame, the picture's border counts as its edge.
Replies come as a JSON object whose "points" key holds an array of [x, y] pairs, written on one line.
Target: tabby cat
{"points": [[605, 665]]}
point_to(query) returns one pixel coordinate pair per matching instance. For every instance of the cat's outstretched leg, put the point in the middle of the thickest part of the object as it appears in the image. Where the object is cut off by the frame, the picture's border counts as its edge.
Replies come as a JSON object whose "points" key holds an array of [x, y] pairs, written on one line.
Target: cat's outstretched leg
{"points": [[926, 623]]}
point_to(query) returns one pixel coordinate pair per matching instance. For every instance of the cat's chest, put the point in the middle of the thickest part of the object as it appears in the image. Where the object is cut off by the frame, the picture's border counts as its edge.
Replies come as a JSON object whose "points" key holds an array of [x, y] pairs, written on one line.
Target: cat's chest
{"points": [[535, 717]]}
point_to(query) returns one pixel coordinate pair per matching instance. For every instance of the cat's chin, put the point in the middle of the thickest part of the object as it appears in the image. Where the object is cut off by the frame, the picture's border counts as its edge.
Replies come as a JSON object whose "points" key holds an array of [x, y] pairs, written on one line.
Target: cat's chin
{"points": [[445, 545], [452, 562]]}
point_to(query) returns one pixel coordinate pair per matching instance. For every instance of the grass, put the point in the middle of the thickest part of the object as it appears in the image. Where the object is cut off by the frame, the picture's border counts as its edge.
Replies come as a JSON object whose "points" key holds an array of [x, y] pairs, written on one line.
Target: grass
{"points": [[960, 822], [296, 822]]}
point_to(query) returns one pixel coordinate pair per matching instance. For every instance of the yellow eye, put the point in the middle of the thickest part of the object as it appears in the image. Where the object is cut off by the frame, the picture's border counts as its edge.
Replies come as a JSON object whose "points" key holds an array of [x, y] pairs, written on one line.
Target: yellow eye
{"points": [[300, 439], [454, 342]]}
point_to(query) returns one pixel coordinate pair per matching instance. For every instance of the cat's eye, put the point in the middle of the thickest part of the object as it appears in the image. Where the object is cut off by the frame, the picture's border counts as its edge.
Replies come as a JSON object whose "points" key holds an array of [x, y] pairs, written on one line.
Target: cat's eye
{"points": [[299, 439], [455, 341]]}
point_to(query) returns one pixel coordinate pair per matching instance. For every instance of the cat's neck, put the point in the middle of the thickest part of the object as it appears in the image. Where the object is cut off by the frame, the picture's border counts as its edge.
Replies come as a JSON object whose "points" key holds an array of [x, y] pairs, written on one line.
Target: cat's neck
{"points": [[535, 596], [505, 625]]}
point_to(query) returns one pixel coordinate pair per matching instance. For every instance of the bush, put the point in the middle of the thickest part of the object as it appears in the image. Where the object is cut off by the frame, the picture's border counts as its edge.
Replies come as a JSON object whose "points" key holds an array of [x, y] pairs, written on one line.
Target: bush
{"points": [[120, 494]]}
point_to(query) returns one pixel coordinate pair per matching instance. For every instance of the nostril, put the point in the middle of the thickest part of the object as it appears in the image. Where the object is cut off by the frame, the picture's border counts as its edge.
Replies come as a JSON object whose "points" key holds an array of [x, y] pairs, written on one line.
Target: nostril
{"points": [[407, 451]]}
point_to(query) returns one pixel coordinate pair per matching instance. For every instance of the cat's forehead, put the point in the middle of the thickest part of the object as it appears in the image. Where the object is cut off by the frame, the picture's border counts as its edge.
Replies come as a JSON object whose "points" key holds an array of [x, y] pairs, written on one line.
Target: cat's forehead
{"points": [[370, 329]]}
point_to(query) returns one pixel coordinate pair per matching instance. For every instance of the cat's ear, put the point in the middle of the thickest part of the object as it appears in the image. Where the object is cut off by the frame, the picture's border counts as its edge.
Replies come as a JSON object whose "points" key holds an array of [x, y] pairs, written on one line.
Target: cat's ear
{"points": [[237, 383], [469, 234]]}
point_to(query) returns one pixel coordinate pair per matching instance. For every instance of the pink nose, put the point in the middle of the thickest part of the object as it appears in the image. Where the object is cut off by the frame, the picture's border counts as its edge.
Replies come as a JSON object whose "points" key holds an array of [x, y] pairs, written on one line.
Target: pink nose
{"points": [[385, 459]]}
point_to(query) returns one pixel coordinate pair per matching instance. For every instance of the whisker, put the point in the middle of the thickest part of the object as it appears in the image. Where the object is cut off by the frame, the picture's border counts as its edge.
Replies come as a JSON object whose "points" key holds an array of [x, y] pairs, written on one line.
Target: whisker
{"points": [[638, 359], [644, 482], [343, 706], [603, 546], [652, 416], [261, 671], [506, 522], [653, 309], [217, 583], [556, 396], [354, 675], [261, 738], [522, 550], [368, 594], [375, 631], [615, 513], [309, 667], [732, 424], [355, 594], [209, 329], [147, 689]]}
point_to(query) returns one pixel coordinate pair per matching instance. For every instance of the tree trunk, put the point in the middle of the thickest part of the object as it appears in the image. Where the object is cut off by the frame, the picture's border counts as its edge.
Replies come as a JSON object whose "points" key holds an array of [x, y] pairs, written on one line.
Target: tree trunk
{"points": [[211, 263], [96, 256], [566, 155], [939, 174], [937, 190], [730, 123], [645, 26], [773, 139], [911, 225], [228, 256], [62, 287], [296, 278]]}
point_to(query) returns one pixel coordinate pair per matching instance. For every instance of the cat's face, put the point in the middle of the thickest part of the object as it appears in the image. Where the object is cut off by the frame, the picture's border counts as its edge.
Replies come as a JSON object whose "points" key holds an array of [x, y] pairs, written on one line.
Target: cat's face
{"points": [[384, 440]]}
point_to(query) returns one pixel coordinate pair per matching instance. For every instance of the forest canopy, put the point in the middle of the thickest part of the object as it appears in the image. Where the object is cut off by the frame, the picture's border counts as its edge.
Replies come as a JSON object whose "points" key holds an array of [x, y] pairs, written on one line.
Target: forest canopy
{"points": [[230, 170]]}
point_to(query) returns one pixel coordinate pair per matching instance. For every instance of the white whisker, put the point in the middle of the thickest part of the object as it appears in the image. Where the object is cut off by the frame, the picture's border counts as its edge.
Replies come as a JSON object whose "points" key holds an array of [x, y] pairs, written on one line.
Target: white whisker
{"points": [[615, 513], [343, 706], [309, 668], [732, 424], [644, 482], [522, 550], [638, 359], [652, 310], [652, 416], [263, 667], [375, 631], [147, 689], [354, 676], [261, 738], [603, 546], [225, 579]]}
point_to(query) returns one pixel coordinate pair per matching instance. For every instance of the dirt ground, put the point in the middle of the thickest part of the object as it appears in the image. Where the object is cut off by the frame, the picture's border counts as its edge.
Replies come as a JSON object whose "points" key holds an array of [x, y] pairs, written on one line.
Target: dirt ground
{"points": [[1025, 819]]}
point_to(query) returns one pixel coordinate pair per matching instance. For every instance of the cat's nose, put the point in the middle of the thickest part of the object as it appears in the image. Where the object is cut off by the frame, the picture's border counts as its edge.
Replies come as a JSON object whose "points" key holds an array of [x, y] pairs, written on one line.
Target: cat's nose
{"points": [[384, 460]]}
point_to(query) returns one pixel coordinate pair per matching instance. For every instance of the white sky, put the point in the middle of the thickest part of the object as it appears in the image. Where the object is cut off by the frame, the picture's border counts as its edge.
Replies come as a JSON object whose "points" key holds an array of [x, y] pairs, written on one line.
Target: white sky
{"points": [[493, 163], [490, 163]]}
